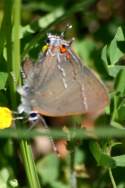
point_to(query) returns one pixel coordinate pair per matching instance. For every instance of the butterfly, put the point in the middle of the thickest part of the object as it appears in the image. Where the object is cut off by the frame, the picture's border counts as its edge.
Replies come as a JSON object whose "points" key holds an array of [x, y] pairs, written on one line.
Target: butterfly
{"points": [[60, 84]]}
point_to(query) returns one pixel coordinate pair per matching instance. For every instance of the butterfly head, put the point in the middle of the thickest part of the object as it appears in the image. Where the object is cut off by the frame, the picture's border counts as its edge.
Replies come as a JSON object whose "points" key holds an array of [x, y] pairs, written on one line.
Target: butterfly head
{"points": [[56, 41]]}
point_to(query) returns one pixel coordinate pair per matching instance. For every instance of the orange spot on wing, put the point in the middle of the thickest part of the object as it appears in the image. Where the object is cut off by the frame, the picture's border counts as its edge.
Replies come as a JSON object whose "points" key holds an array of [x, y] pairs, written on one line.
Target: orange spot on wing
{"points": [[63, 49]]}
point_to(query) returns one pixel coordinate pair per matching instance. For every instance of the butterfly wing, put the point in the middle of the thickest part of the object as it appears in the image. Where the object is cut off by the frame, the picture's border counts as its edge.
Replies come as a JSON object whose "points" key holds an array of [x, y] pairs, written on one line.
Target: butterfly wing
{"points": [[59, 87], [27, 66], [94, 91]]}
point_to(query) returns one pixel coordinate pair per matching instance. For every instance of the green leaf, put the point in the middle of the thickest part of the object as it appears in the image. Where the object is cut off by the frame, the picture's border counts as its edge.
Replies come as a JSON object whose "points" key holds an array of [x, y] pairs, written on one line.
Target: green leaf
{"points": [[4, 175], [48, 168], [101, 158], [58, 184], [49, 18], [41, 23], [111, 55], [3, 33], [113, 70], [104, 57], [114, 52], [121, 113], [120, 82], [119, 36], [79, 156], [3, 79], [42, 5], [85, 48], [116, 125], [119, 160]]}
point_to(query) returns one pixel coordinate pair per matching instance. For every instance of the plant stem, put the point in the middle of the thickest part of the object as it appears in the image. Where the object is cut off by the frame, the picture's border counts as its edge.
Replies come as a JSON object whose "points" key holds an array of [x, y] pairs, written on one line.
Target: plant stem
{"points": [[13, 65], [29, 164], [8, 29], [73, 181], [112, 178], [16, 43]]}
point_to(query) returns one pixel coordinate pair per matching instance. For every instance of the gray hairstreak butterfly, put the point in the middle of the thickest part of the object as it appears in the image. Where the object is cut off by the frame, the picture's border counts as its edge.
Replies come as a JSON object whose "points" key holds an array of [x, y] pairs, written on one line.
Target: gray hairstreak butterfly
{"points": [[59, 84]]}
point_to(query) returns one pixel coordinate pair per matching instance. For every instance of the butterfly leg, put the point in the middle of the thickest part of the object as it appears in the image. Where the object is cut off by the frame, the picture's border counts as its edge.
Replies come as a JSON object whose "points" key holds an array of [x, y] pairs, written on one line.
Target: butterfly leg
{"points": [[51, 139]]}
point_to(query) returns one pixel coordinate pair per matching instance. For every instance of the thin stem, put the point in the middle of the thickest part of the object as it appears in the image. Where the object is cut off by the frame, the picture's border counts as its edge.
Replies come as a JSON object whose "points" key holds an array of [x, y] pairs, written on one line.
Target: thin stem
{"points": [[16, 43], [112, 178], [8, 29], [114, 114], [73, 180], [13, 59], [29, 164]]}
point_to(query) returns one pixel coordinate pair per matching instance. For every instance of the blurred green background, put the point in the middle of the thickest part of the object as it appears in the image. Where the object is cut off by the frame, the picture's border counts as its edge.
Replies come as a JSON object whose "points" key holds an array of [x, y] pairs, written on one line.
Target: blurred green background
{"points": [[98, 28]]}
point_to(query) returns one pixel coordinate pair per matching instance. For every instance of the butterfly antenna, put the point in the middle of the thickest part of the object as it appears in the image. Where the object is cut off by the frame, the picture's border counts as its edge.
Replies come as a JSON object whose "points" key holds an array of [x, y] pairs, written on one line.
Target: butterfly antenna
{"points": [[68, 26]]}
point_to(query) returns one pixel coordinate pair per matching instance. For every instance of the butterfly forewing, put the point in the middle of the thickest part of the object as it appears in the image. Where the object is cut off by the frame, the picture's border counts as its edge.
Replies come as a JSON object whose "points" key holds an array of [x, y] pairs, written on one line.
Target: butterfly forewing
{"points": [[60, 86]]}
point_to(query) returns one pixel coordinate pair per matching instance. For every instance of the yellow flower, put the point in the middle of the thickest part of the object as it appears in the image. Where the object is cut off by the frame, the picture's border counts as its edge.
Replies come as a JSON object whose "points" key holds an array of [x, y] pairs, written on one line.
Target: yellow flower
{"points": [[44, 48], [6, 117]]}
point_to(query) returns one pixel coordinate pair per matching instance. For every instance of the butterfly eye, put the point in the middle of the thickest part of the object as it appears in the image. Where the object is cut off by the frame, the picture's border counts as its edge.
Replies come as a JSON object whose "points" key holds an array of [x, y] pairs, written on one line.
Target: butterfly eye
{"points": [[48, 41], [63, 49], [33, 116]]}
